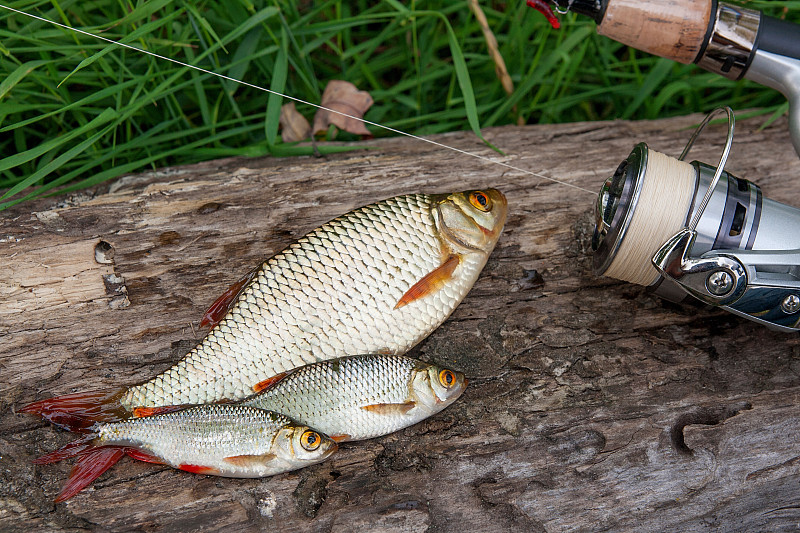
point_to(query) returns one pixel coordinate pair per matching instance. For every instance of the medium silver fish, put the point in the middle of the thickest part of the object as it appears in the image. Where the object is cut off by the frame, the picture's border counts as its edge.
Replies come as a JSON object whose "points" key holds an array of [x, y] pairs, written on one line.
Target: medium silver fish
{"points": [[223, 440], [363, 396], [378, 279]]}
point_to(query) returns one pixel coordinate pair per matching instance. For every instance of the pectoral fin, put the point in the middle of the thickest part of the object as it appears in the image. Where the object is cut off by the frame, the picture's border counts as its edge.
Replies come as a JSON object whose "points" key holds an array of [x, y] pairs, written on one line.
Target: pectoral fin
{"points": [[390, 408], [269, 382], [250, 460], [431, 282], [141, 412], [340, 438]]}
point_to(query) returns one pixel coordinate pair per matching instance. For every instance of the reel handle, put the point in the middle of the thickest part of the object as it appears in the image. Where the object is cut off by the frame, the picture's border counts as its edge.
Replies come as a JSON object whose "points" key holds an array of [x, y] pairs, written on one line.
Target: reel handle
{"points": [[760, 285]]}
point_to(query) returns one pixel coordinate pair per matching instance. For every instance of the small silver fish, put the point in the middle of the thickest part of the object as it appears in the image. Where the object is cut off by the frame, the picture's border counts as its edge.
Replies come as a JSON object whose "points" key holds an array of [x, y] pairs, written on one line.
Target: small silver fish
{"points": [[222, 440], [363, 396]]}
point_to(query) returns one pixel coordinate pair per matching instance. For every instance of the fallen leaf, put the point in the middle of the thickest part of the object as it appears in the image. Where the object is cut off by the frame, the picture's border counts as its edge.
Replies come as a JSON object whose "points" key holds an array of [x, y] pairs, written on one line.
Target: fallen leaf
{"points": [[294, 126], [344, 97]]}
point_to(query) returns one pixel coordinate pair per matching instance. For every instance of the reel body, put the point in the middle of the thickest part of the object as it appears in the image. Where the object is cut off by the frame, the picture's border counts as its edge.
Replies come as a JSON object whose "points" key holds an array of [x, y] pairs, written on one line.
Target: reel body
{"points": [[726, 245]]}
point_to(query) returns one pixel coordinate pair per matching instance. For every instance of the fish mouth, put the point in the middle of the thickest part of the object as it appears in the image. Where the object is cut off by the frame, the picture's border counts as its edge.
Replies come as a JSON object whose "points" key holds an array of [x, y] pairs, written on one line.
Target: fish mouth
{"points": [[454, 394], [333, 447], [500, 200]]}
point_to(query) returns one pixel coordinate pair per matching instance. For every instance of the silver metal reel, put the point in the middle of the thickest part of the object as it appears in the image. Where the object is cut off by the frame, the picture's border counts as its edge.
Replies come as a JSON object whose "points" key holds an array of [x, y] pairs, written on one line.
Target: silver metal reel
{"points": [[761, 285]]}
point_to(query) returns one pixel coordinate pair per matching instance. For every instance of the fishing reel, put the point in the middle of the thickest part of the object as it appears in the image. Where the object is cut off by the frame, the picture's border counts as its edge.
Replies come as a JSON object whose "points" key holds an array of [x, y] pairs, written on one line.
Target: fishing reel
{"points": [[694, 230]]}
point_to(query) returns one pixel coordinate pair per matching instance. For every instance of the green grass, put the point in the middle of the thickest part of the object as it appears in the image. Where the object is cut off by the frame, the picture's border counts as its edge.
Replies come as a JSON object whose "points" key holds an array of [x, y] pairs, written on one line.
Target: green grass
{"points": [[75, 111]]}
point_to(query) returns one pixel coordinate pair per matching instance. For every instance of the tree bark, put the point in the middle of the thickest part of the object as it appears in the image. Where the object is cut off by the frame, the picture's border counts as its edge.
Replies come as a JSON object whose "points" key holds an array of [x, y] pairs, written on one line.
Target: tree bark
{"points": [[592, 405]]}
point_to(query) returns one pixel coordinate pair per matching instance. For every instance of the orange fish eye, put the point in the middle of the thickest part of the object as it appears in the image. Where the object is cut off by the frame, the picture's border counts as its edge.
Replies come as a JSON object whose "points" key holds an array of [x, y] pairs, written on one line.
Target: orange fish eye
{"points": [[480, 201], [310, 440], [447, 378]]}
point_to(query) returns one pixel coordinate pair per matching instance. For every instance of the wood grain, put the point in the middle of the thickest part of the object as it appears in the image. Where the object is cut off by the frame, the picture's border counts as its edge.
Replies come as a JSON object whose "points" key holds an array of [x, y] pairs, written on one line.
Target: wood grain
{"points": [[592, 405]]}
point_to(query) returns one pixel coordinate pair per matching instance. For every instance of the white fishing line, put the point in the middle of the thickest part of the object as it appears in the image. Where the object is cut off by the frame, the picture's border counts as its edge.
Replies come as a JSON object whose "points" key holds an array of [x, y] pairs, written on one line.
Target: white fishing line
{"points": [[661, 211], [393, 130]]}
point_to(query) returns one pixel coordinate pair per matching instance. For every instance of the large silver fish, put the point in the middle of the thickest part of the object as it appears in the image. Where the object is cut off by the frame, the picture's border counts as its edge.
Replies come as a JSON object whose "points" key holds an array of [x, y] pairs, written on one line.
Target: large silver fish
{"points": [[363, 396], [378, 279], [223, 440]]}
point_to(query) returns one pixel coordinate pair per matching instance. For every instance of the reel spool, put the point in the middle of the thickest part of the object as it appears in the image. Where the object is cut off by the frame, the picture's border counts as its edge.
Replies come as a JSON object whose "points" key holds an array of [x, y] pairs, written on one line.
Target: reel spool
{"points": [[691, 229]]}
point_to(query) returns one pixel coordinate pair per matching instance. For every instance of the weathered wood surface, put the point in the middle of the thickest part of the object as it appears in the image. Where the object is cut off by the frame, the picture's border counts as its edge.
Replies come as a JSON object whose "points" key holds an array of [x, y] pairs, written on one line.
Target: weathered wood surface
{"points": [[592, 404]]}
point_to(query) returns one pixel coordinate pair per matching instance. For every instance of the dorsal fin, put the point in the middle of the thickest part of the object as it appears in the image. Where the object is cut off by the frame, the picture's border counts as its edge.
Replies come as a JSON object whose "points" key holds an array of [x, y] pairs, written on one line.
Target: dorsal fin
{"points": [[269, 382], [223, 304], [141, 412]]}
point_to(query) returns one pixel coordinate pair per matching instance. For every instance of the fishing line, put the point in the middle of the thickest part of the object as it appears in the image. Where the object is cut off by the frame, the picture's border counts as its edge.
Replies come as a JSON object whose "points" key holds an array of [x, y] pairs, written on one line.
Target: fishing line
{"points": [[393, 130]]}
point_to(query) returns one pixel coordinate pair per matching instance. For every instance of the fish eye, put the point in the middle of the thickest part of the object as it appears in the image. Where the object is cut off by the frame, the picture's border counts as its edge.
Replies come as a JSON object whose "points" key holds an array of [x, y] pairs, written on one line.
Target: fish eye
{"points": [[310, 440], [447, 378], [480, 201]]}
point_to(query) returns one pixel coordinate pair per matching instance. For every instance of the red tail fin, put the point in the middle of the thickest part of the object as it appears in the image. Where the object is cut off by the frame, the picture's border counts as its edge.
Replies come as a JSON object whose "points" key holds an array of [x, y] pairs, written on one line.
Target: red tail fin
{"points": [[89, 467], [94, 460], [79, 412], [71, 449]]}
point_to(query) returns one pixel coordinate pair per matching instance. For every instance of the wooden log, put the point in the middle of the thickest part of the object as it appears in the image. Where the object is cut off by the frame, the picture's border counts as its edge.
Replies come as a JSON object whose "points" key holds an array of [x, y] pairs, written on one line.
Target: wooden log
{"points": [[592, 404]]}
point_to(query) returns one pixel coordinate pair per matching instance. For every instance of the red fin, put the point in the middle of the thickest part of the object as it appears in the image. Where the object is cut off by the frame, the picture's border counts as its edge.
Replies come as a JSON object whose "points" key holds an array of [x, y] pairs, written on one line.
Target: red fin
{"points": [[390, 408], [431, 282], [90, 466], [71, 449], [223, 304], [542, 7], [197, 469], [141, 412], [140, 455], [340, 438], [80, 411], [269, 382], [250, 460]]}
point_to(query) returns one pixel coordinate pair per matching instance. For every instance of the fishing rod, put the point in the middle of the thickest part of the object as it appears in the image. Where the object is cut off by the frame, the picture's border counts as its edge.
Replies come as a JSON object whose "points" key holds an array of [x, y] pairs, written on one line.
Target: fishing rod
{"points": [[729, 40]]}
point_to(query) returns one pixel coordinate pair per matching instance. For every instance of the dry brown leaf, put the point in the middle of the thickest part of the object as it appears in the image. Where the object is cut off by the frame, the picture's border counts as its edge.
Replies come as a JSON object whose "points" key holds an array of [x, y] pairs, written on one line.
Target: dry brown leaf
{"points": [[344, 97], [294, 126]]}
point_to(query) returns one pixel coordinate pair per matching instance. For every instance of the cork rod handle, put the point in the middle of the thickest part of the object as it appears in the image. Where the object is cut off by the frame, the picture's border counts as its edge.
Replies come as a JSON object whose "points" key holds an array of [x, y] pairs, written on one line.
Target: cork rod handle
{"points": [[673, 29]]}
